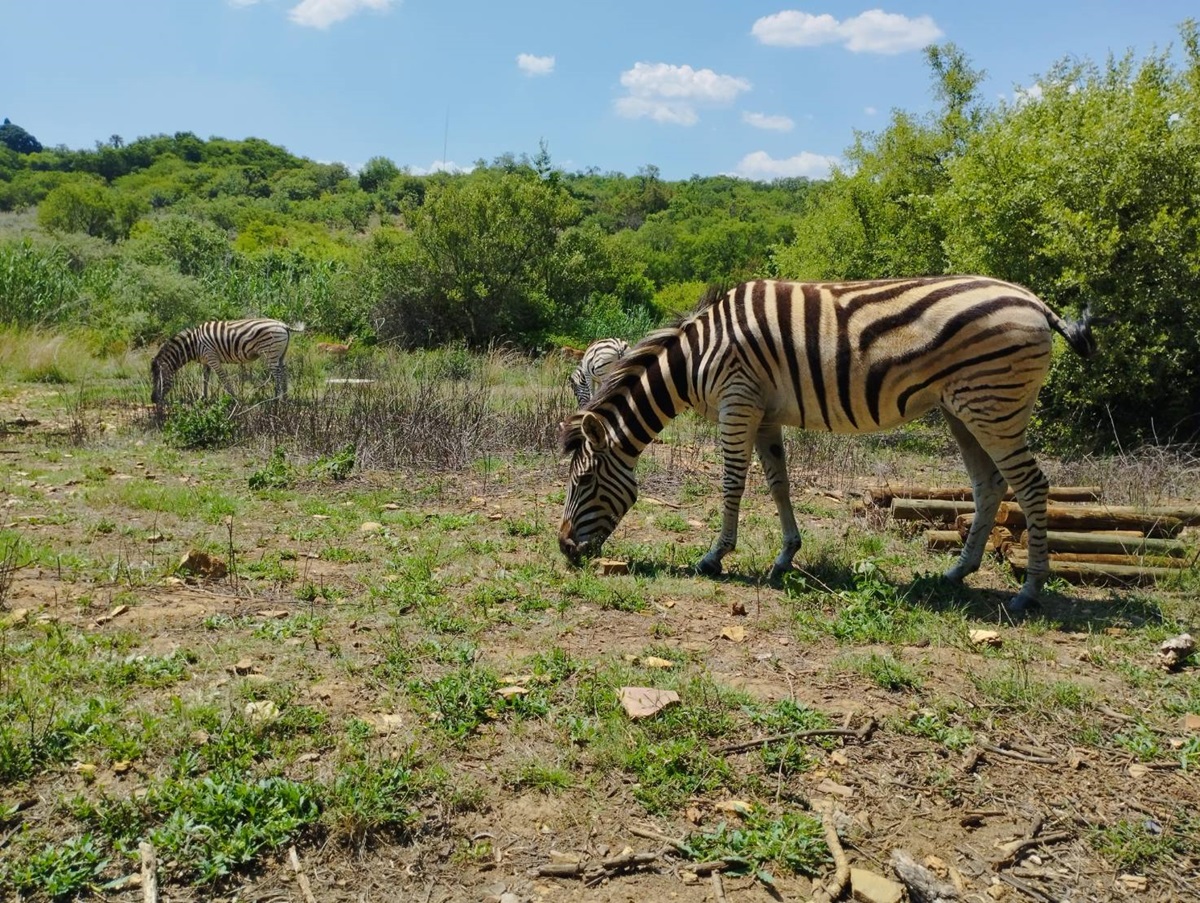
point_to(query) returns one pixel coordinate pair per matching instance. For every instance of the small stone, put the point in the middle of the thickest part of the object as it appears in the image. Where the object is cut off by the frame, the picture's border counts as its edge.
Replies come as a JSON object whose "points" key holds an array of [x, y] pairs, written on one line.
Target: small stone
{"points": [[370, 527], [201, 564], [612, 566], [986, 638], [1191, 722], [738, 609], [734, 632], [868, 887]]}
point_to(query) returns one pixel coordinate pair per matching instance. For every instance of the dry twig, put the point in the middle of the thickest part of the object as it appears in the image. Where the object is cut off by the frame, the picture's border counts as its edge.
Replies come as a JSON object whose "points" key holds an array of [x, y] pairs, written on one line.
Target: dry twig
{"points": [[862, 734], [1019, 756], [149, 872], [301, 878], [833, 888]]}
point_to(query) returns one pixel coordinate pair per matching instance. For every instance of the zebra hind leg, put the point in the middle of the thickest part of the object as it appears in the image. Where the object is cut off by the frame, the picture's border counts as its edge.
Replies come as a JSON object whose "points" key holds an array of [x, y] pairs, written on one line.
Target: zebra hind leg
{"points": [[1031, 487], [987, 489], [769, 445]]}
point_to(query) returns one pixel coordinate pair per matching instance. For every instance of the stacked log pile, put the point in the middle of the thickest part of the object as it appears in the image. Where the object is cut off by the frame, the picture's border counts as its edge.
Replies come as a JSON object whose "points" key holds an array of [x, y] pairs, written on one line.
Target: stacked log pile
{"points": [[1090, 542]]}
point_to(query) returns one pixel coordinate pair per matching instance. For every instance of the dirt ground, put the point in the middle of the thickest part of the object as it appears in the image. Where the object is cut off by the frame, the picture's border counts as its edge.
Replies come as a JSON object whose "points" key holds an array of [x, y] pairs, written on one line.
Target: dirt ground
{"points": [[1012, 816]]}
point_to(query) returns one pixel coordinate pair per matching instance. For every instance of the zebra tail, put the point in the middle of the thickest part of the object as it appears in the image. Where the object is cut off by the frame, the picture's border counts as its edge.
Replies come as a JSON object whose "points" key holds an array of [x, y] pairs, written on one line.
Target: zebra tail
{"points": [[1078, 333], [295, 327]]}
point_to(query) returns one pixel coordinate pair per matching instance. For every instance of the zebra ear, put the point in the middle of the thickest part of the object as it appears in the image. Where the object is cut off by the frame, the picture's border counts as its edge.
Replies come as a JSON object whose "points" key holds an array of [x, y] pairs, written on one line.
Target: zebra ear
{"points": [[594, 431]]}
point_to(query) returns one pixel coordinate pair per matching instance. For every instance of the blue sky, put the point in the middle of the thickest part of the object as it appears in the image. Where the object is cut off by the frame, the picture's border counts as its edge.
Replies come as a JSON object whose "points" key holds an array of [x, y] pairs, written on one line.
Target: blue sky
{"points": [[757, 89]]}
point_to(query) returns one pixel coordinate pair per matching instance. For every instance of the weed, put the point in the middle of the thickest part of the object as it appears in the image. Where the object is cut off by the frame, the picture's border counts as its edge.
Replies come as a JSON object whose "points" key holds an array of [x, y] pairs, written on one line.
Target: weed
{"points": [[535, 774], [61, 872], [277, 473], [367, 798], [792, 841], [208, 424], [1135, 845], [932, 725], [885, 670], [338, 466]]}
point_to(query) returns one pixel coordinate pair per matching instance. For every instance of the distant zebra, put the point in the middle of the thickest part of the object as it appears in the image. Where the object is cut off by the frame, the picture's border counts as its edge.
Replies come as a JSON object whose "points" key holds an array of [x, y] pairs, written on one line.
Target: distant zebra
{"points": [[594, 367], [221, 342], [841, 357]]}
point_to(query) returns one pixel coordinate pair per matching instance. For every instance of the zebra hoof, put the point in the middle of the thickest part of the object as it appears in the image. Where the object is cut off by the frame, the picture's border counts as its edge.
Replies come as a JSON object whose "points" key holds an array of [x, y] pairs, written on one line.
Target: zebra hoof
{"points": [[709, 567], [1020, 605], [778, 572]]}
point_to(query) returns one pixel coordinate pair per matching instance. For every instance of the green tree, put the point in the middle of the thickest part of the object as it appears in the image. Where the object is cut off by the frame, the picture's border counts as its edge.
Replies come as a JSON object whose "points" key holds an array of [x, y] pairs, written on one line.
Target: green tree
{"points": [[376, 173], [17, 139]]}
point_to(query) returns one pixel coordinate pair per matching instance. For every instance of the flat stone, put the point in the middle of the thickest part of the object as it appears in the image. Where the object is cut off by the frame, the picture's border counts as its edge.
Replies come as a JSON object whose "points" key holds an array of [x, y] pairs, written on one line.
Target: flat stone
{"points": [[868, 887]]}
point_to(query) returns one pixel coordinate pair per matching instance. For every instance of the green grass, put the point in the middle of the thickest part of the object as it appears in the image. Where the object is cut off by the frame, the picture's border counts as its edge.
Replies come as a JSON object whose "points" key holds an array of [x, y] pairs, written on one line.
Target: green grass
{"points": [[793, 842], [884, 670]]}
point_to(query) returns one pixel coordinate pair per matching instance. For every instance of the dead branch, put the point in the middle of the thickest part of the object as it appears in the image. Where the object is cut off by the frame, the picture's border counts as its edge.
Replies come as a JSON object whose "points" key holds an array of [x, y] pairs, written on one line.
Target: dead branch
{"points": [[1018, 756], [592, 873], [923, 885], [149, 872], [301, 878], [862, 735], [718, 887], [1012, 850], [833, 888]]}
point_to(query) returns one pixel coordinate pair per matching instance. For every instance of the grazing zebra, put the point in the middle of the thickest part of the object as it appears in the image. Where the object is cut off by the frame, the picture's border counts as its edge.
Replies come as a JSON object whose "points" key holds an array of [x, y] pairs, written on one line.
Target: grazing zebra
{"points": [[223, 342], [594, 367], [842, 357]]}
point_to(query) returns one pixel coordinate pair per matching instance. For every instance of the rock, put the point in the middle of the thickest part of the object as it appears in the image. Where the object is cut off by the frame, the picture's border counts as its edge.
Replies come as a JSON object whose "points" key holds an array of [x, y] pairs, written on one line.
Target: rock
{"points": [[1191, 722], [370, 527], [734, 632], [642, 702], [612, 566], [867, 887], [201, 564], [989, 638], [1175, 651]]}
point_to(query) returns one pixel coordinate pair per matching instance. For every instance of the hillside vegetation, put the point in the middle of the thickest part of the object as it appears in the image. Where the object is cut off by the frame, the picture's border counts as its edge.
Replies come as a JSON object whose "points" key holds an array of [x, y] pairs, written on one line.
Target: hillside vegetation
{"points": [[1083, 188]]}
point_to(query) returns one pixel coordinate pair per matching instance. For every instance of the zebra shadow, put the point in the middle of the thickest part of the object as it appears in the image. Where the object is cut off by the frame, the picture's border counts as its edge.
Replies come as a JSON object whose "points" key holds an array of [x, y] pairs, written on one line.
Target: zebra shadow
{"points": [[825, 581]]}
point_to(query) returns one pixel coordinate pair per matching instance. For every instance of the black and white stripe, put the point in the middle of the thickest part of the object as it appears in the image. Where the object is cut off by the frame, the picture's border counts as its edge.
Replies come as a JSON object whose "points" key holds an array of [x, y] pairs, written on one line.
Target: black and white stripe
{"points": [[599, 358], [841, 357], [220, 342]]}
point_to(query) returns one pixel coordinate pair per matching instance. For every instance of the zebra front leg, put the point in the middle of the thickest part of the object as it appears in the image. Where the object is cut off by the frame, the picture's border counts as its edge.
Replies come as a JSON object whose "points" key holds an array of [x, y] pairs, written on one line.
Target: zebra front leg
{"points": [[769, 445], [987, 491], [737, 434], [223, 377], [281, 386]]}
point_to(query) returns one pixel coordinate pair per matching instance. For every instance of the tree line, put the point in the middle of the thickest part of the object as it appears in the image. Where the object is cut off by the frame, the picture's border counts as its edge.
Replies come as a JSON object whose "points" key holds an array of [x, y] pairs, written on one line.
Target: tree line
{"points": [[1084, 188]]}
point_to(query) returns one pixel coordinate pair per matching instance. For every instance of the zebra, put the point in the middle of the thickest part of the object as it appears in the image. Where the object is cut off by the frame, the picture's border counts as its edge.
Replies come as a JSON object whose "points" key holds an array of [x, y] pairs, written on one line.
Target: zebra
{"points": [[594, 367], [844, 357], [221, 342]]}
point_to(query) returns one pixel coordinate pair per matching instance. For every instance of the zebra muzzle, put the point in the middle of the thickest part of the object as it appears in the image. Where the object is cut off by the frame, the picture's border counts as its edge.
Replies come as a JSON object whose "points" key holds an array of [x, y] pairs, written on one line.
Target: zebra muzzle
{"points": [[567, 544]]}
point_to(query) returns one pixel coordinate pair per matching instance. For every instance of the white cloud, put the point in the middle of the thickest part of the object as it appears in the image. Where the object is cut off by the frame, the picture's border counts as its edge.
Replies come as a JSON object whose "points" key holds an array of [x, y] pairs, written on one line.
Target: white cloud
{"points": [[323, 13], [670, 94], [873, 31], [439, 166], [870, 111], [535, 65], [761, 165], [771, 123], [1032, 94]]}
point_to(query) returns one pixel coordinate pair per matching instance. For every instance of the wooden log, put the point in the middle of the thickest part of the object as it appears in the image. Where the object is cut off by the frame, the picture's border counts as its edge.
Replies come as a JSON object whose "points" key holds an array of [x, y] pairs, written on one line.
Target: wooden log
{"points": [[1093, 517], [1083, 572], [1111, 544], [882, 496], [1154, 561], [933, 511], [950, 540]]}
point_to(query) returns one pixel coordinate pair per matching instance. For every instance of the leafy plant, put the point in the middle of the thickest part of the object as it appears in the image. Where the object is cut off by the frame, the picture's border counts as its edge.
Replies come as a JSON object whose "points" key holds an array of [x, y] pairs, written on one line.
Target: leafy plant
{"points": [[207, 424], [61, 872], [277, 473], [793, 841]]}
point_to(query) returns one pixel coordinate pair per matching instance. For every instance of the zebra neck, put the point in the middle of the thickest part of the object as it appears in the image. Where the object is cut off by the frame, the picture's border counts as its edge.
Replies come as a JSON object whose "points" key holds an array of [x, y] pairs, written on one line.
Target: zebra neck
{"points": [[649, 391]]}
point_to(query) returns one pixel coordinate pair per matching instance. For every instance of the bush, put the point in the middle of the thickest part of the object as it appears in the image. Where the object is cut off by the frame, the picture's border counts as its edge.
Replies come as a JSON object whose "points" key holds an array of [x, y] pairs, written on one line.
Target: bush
{"points": [[207, 424]]}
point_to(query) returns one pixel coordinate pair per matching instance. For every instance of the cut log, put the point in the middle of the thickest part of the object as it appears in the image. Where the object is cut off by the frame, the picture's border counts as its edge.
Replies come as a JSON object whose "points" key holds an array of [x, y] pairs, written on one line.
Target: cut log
{"points": [[882, 496], [1154, 561], [933, 511], [1093, 517], [1083, 572], [950, 540], [1111, 544]]}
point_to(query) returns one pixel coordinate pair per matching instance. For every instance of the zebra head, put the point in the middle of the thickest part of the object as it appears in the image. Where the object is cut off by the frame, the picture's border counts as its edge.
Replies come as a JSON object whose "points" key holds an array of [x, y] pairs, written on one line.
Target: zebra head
{"points": [[162, 375], [601, 486]]}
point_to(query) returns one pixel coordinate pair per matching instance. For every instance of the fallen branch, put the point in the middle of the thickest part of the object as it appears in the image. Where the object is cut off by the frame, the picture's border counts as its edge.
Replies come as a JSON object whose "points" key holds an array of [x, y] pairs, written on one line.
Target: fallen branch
{"points": [[833, 888], [718, 887], [149, 872], [862, 735], [301, 878], [591, 873], [1012, 850], [650, 834], [923, 885], [1018, 756], [1025, 888]]}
